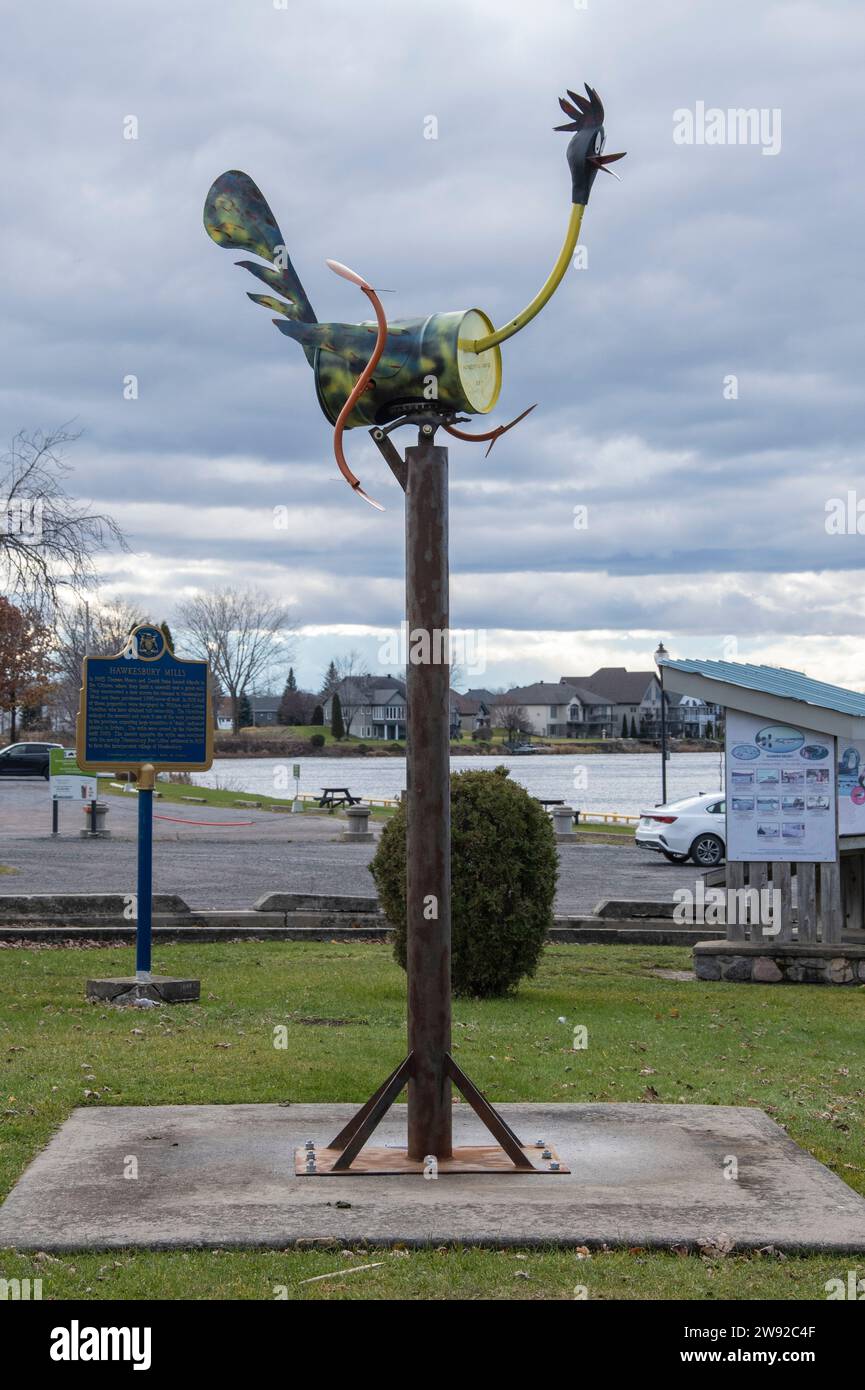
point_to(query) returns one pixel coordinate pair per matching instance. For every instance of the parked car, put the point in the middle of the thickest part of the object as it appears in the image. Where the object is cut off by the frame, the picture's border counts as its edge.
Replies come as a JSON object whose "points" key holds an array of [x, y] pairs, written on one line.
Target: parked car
{"points": [[26, 759], [694, 828]]}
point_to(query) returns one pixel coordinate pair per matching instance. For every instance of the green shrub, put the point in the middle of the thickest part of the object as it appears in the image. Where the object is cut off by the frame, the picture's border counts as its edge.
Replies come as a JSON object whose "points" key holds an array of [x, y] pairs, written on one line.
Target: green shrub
{"points": [[503, 866], [317, 740]]}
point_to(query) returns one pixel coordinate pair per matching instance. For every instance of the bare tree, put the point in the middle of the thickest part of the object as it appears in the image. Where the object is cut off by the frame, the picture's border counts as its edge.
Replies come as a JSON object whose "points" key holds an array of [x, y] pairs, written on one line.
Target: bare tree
{"points": [[47, 539], [512, 718], [98, 627], [354, 686], [243, 633]]}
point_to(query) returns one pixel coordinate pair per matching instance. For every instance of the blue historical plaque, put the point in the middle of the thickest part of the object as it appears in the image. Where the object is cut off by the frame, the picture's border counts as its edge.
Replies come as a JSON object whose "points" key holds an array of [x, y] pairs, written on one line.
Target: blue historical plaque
{"points": [[145, 706]]}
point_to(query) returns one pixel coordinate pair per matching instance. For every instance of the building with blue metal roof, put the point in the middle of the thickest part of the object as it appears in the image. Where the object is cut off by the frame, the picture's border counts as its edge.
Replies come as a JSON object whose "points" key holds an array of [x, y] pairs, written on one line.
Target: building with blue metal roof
{"points": [[773, 692]]}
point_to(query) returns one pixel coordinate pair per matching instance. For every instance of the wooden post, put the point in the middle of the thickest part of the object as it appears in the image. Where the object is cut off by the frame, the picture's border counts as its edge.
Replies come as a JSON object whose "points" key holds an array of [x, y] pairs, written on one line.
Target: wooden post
{"points": [[852, 891], [806, 878], [736, 930], [782, 880], [758, 879], [831, 916]]}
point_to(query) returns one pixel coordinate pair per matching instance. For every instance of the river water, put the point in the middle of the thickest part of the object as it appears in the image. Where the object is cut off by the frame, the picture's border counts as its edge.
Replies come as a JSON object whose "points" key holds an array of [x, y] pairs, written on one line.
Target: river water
{"points": [[621, 782]]}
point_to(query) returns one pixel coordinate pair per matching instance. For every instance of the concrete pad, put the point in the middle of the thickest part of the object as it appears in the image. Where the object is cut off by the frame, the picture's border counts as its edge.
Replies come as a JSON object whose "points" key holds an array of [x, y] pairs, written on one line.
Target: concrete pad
{"points": [[223, 1176], [128, 989]]}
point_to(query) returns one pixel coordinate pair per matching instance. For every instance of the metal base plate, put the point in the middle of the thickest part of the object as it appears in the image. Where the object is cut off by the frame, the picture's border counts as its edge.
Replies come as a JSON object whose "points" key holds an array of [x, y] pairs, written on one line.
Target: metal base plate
{"points": [[470, 1159]]}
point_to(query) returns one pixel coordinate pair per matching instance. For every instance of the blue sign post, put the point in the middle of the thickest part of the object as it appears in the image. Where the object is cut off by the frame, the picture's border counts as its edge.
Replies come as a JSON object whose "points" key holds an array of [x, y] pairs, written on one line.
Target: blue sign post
{"points": [[142, 711], [144, 900]]}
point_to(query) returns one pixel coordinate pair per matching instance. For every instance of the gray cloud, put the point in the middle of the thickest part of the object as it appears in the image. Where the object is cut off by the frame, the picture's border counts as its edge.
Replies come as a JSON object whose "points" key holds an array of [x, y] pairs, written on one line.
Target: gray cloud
{"points": [[706, 515]]}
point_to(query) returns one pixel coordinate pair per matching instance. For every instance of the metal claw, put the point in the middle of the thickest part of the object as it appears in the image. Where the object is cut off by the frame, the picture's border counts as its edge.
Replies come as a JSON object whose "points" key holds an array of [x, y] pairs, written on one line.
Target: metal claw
{"points": [[491, 435]]}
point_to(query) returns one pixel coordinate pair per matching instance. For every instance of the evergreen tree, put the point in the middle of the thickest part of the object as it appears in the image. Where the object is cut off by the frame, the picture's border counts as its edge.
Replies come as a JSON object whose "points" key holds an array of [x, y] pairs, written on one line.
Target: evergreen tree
{"points": [[337, 728], [317, 715], [633, 727], [624, 726], [244, 711], [289, 705], [331, 680]]}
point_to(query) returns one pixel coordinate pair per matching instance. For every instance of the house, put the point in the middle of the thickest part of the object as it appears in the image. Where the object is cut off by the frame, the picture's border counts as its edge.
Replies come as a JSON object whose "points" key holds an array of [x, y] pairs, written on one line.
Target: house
{"points": [[372, 706], [559, 710], [635, 697], [223, 715], [687, 717], [264, 710], [469, 715], [631, 694]]}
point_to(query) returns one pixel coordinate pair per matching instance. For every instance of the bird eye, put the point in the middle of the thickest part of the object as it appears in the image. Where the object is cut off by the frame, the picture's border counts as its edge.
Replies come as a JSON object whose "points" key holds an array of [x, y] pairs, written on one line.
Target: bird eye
{"points": [[600, 140]]}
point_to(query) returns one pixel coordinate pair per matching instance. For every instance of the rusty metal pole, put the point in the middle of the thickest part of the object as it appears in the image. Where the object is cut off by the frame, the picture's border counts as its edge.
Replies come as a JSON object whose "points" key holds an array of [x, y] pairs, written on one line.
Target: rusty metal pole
{"points": [[428, 888]]}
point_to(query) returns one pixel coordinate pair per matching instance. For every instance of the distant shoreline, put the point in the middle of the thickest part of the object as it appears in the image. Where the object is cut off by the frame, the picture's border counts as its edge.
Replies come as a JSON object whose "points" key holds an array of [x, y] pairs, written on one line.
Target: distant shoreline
{"points": [[255, 747]]}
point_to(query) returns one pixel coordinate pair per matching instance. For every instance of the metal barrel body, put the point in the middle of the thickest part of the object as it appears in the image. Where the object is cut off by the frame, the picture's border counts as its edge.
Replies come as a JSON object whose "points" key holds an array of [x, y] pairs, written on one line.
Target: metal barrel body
{"points": [[428, 889], [424, 360]]}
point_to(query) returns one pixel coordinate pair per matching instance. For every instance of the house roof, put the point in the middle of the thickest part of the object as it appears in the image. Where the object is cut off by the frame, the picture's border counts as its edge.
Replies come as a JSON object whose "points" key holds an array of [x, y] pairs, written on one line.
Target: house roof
{"points": [[370, 690], [464, 704], [774, 692], [615, 683], [486, 695], [587, 696], [541, 693]]}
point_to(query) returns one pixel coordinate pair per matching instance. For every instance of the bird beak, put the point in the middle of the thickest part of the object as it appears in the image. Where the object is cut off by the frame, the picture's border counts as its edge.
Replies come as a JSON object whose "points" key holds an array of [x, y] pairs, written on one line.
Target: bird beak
{"points": [[600, 161]]}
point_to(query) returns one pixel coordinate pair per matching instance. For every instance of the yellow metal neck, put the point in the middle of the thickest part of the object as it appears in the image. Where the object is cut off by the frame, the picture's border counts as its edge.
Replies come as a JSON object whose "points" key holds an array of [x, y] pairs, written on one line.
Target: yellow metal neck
{"points": [[555, 279]]}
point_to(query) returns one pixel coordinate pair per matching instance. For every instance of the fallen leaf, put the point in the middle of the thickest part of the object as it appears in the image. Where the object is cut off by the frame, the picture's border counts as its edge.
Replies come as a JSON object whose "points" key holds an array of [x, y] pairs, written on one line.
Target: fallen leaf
{"points": [[716, 1247]]}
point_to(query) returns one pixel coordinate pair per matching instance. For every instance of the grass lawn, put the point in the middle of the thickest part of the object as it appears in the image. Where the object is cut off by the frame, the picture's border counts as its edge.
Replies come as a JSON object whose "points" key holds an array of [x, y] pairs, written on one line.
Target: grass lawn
{"points": [[177, 793], [181, 794], [796, 1052], [285, 733]]}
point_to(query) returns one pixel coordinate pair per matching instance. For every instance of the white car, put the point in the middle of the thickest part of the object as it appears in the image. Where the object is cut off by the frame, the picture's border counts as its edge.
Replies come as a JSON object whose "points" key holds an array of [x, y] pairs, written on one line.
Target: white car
{"points": [[694, 828]]}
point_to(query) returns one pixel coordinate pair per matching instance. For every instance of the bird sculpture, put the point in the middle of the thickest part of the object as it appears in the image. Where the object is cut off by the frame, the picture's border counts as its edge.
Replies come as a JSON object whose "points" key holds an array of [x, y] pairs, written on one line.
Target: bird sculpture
{"points": [[377, 372]]}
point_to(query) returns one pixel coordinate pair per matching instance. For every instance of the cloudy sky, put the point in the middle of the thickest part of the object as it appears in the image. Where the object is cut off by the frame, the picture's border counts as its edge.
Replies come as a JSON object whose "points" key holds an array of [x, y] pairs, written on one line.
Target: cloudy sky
{"points": [[699, 381]]}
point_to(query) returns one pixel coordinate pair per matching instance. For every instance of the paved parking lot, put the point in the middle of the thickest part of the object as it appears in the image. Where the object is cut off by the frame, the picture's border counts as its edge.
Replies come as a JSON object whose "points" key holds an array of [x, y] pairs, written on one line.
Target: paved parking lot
{"points": [[234, 864]]}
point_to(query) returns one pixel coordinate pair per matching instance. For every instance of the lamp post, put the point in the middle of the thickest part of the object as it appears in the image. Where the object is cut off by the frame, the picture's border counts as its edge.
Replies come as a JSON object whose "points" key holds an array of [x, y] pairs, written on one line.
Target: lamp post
{"points": [[660, 656]]}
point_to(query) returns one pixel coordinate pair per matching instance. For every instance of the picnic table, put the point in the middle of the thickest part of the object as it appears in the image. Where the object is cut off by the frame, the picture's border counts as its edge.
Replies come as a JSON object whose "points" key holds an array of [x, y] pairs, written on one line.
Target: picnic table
{"points": [[338, 796], [548, 801]]}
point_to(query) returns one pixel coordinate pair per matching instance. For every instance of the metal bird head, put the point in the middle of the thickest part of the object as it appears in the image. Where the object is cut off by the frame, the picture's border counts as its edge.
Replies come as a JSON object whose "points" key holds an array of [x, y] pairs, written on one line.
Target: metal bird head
{"points": [[585, 151]]}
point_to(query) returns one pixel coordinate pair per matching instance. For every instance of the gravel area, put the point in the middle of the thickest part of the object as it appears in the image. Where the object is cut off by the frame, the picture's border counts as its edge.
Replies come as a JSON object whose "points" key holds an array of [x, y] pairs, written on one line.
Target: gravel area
{"points": [[233, 865]]}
